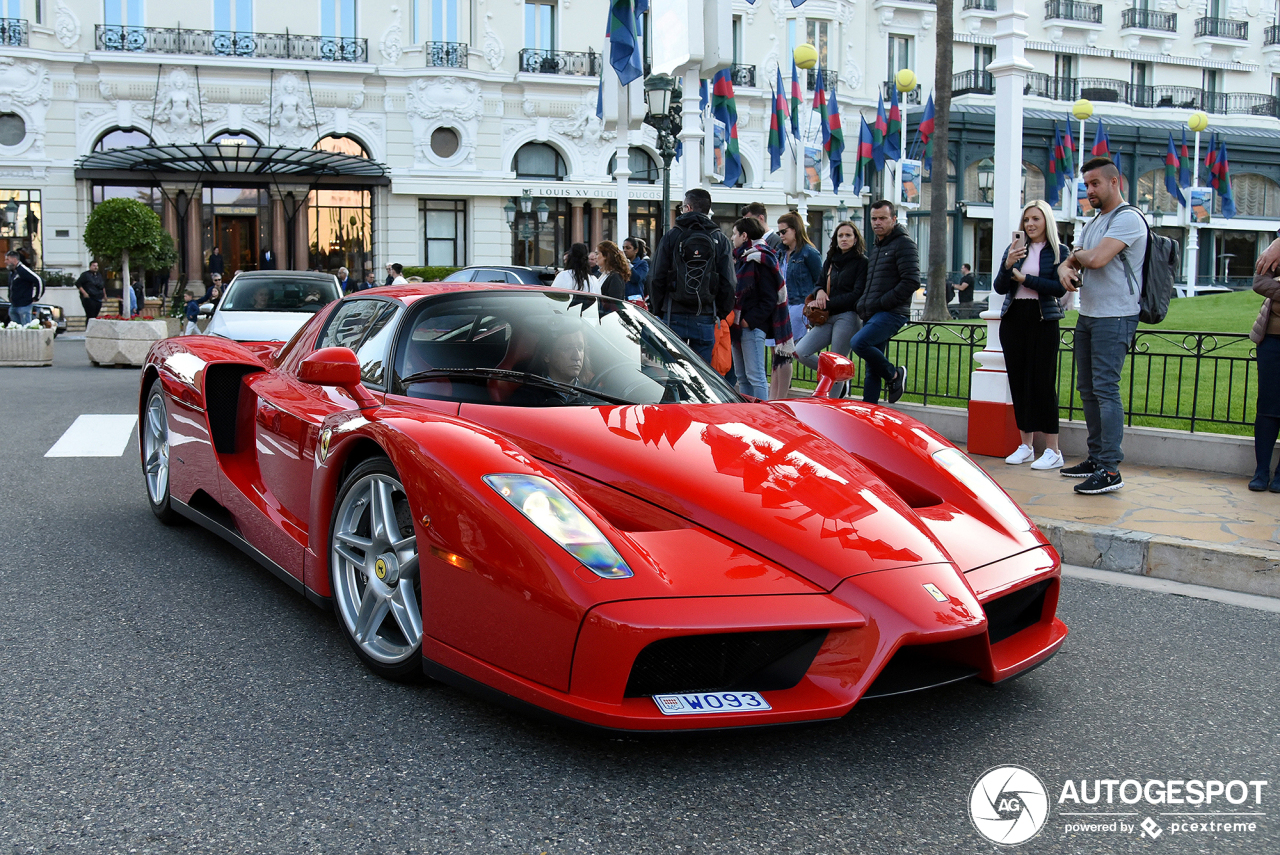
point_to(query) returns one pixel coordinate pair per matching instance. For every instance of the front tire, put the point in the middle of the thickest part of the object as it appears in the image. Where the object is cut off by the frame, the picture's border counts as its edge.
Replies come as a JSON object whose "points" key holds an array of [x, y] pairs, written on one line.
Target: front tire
{"points": [[153, 433], [373, 569]]}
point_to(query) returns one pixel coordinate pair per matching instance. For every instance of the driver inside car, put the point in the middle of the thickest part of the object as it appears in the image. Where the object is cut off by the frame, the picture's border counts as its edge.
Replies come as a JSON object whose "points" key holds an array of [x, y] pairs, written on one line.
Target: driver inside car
{"points": [[561, 355]]}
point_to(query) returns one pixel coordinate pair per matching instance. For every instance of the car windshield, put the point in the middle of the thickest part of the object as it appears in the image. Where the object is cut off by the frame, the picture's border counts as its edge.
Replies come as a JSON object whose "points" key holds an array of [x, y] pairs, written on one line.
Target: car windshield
{"points": [[534, 348], [284, 294]]}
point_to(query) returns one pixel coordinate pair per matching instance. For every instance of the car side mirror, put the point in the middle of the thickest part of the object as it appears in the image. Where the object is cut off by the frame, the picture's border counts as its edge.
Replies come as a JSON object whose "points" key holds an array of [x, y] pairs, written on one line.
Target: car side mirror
{"points": [[206, 308], [336, 366], [832, 369]]}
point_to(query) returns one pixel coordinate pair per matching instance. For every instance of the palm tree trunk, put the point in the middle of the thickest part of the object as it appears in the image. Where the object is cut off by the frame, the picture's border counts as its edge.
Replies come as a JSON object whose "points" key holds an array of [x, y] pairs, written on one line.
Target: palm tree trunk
{"points": [[935, 307]]}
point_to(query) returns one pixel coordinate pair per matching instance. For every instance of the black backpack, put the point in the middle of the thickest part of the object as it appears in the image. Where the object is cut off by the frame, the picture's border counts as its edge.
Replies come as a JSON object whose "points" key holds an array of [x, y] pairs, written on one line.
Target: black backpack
{"points": [[1160, 266], [696, 269]]}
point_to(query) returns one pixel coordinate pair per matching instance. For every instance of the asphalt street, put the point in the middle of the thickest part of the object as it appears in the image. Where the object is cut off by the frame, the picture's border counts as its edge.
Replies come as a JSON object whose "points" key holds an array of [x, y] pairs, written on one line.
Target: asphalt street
{"points": [[161, 693]]}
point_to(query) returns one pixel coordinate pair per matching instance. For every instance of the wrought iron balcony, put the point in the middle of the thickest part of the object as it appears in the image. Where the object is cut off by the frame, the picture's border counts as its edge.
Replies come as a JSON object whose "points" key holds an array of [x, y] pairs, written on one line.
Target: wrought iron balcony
{"points": [[13, 32], [980, 5], [1073, 10], [911, 97], [560, 62], [973, 82], [1271, 36], [1048, 86], [1149, 19], [445, 54], [176, 40], [743, 75], [1222, 28], [829, 77]]}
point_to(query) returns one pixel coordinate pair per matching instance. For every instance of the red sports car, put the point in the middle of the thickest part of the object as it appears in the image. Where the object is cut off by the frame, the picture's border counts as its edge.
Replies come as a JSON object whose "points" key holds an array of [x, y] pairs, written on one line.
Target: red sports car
{"points": [[546, 496]]}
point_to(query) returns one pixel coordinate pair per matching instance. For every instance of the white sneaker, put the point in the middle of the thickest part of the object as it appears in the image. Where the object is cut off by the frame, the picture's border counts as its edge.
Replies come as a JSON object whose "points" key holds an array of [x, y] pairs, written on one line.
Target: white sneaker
{"points": [[1049, 460], [1022, 455]]}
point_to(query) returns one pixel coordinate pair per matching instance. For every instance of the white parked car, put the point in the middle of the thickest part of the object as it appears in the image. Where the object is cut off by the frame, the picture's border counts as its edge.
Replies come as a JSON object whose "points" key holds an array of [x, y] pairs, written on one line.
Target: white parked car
{"points": [[270, 305]]}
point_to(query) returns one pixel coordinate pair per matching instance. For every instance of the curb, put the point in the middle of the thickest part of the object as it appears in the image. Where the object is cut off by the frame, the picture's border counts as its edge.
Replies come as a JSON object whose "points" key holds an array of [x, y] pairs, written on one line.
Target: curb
{"points": [[1214, 565]]}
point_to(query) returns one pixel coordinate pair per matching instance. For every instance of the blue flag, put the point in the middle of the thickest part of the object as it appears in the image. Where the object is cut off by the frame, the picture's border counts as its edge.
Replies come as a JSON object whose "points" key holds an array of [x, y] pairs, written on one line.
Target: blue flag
{"points": [[624, 44], [1053, 181]]}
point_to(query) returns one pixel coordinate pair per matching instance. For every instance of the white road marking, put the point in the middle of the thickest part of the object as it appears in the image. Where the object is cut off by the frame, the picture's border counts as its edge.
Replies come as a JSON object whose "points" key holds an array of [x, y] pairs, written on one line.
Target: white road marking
{"points": [[95, 436], [1165, 586]]}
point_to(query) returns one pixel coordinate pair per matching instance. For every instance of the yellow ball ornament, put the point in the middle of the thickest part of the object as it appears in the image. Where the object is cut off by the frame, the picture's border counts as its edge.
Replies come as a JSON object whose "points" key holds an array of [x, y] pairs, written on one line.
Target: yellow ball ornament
{"points": [[806, 56], [1198, 121], [1082, 109], [905, 79]]}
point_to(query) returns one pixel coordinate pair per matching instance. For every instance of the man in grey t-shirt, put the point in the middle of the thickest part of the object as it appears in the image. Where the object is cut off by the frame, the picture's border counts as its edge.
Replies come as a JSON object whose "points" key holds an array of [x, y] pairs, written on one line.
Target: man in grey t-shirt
{"points": [[1106, 268]]}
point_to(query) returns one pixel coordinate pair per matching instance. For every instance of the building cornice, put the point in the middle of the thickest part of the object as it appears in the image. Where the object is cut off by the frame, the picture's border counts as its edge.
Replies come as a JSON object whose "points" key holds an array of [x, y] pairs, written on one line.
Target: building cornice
{"points": [[1111, 53]]}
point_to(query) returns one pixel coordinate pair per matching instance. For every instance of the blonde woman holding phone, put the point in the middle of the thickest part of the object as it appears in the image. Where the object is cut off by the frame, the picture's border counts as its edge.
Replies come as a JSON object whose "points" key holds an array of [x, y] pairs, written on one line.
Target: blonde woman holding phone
{"points": [[1028, 277]]}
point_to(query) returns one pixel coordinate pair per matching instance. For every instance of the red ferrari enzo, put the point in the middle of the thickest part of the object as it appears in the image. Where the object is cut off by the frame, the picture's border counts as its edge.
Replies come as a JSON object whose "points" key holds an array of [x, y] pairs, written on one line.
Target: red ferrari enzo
{"points": [[546, 496]]}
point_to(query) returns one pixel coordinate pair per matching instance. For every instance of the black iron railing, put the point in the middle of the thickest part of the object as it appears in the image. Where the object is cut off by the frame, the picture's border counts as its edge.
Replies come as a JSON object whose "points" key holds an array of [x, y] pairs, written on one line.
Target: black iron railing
{"points": [[560, 62], [1149, 19], [1048, 86], [1271, 35], [1073, 10], [13, 32], [1118, 91], [743, 75], [229, 43], [973, 82], [1222, 28], [980, 5], [911, 96], [829, 77], [445, 54], [1181, 380]]}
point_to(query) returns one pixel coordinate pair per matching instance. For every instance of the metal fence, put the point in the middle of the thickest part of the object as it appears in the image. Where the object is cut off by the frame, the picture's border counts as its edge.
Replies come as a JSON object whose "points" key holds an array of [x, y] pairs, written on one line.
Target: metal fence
{"points": [[1193, 381]]}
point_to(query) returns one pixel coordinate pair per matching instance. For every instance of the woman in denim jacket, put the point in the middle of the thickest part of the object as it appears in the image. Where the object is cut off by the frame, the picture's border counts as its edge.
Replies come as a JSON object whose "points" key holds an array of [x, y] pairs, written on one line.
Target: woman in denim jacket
{"points": [[801, 266], [1028, 277]]}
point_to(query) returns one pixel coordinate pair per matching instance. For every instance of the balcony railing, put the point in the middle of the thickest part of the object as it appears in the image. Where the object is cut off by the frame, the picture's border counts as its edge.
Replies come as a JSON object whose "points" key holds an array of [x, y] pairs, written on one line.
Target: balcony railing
{"points": [[828, 76], [911, 97], [13, 32], [445, 54], [1148, 19], [973, 82], [230, 43], [1073, 10], [1047, 86], [743, 75], [560, 62], [1271, 35], [1119, 92], [980, 5], [1222, 28]]}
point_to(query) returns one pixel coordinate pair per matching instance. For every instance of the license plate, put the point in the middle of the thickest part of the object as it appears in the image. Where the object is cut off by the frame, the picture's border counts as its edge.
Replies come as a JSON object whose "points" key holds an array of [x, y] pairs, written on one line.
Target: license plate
{"points": [[702, 703]]}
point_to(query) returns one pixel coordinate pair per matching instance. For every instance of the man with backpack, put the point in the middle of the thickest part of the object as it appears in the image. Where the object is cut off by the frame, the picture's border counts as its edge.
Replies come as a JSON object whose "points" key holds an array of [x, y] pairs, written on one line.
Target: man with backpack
{"points": [[1106, 267], [692, 284]]}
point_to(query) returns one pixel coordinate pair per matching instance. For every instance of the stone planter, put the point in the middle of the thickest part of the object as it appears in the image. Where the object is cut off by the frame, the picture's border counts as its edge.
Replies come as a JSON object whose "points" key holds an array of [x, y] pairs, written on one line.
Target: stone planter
{"points": [[173, 326], [26, 347], [122, 342]]}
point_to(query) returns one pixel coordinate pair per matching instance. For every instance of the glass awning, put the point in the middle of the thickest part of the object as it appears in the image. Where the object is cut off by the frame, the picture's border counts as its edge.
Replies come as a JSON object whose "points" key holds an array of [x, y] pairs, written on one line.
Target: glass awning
{"points": [[213, 161]]}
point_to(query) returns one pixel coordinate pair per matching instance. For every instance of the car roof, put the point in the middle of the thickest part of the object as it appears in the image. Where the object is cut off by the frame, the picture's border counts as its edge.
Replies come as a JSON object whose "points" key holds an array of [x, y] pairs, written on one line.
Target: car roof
{"points": [[409, 294], [302, 275]]}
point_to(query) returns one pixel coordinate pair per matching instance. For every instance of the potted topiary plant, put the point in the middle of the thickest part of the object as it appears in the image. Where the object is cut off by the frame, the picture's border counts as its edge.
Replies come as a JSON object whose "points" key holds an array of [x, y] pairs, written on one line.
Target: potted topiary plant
{"points": [[128, 230]]}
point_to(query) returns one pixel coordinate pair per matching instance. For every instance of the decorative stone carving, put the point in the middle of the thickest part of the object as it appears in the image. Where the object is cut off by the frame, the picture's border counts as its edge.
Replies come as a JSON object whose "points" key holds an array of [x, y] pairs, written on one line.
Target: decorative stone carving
{"points": [[392, 45], [66, 26], [436, 102], [771, 64], [1132, 43], [494, 52], [26, 89], [926, 21], [779, 13], [290, 113], [177, 110], [851, 73], [356, 101]]}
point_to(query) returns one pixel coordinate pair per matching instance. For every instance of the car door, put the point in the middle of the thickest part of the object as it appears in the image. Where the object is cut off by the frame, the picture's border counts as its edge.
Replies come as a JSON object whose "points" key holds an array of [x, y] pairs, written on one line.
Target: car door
{"points": [[289, 412]]}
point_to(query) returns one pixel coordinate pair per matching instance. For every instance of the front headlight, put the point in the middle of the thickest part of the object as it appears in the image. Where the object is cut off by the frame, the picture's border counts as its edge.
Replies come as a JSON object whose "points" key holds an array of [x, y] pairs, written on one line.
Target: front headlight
{"points": [[561, 520], [980, 484]]}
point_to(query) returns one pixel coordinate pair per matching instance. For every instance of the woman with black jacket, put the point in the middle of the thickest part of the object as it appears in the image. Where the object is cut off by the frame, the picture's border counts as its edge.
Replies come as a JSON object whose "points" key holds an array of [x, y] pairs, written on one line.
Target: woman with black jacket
{"points": [[760, 305], [1028, 277], [844, 275]]}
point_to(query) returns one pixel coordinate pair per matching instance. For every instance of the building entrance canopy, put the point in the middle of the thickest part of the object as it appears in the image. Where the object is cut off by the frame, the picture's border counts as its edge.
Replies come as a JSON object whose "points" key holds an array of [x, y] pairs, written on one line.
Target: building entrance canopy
{"points": [[243, 164]]}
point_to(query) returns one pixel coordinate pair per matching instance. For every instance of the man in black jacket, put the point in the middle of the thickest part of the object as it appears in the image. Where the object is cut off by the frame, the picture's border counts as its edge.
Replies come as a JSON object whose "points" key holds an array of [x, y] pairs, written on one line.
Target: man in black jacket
{"points": [[25, 287], [693, 308], [893, 275], [216, 264], [92, 290]]}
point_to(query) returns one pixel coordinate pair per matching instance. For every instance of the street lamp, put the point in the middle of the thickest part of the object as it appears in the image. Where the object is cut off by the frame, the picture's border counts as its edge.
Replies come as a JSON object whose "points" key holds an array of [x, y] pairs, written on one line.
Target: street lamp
{"points": [[986, 180], [662, 97], [526, 230], [11, 215], [829, 222], [526, 201], [842, 212]]}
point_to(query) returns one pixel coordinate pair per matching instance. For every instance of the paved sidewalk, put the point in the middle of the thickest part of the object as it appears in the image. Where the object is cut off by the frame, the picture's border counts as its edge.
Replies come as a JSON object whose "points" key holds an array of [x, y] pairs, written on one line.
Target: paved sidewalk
{"points": [[1178, 524]]}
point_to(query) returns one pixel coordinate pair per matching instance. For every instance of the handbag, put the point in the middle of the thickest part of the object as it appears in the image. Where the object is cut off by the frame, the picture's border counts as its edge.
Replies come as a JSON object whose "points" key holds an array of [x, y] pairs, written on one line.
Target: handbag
{"points": [[721, 351], [815, 316]]}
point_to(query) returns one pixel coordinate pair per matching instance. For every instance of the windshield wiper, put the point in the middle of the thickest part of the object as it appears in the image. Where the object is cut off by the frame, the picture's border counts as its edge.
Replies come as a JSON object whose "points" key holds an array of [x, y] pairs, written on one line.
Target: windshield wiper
{"points": [[523, 377]]}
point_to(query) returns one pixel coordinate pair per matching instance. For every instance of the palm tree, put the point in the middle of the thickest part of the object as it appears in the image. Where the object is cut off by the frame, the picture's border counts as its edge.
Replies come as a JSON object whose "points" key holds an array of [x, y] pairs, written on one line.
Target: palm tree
{"points": [[935, 306]]}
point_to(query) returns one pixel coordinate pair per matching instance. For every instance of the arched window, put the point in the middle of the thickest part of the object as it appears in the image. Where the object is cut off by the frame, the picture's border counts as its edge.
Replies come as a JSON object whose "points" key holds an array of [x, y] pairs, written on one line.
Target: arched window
{"points": [[1153, 196], [980, 182], [643, 168], [341, 220], [228, 138], [341, 145], [1255, 195], [120, 138], [539, 161]]}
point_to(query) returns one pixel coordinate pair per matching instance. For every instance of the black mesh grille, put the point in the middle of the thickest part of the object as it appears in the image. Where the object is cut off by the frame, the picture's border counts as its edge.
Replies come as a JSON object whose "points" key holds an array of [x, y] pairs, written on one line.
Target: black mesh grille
{"points": [[737, 661], [221, 399], [1015, 612]]}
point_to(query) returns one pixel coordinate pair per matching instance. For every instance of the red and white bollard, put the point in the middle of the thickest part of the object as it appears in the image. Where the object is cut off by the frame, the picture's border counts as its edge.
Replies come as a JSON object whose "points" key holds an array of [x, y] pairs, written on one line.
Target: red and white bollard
{"points": [[993, 430]]}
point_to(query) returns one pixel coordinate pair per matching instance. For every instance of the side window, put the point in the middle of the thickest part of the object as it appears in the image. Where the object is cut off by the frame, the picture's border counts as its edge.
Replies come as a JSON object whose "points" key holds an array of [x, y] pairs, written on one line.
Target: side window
{"points": [[377, 344], [348, 325]]}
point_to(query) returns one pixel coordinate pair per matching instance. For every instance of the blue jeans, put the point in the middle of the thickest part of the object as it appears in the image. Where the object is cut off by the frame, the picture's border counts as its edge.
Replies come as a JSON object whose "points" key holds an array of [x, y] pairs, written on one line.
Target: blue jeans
{"points": [[869, 344], [697, 331], [1100, 348], [20, 314], [748, 364], [837, 333]]}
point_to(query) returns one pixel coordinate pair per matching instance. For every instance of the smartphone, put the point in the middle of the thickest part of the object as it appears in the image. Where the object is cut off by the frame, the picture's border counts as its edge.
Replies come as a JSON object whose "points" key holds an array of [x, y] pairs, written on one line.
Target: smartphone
{"points": [[1019, 238]]}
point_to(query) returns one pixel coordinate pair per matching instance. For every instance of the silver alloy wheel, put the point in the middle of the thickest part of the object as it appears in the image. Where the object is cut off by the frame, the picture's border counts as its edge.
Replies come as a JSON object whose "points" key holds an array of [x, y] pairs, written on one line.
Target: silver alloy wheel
{"points": [[375, 578], [155, 447]]}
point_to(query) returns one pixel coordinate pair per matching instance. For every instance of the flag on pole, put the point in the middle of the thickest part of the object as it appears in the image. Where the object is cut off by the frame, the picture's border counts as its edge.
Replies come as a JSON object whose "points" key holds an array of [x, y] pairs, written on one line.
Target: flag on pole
{"points": [[834, 142], [781, 107], [795, 100], [1171, 173], [893, 132], [820, 104], [877, 133], [1222, 182], [1053, 181], [1211, 156], [725, 109], [704, 96], [866, 156], [624, 48], [1101, 143], [1069, 153], [600, 98], [925, 132], [777, 134], [1184, 163]]}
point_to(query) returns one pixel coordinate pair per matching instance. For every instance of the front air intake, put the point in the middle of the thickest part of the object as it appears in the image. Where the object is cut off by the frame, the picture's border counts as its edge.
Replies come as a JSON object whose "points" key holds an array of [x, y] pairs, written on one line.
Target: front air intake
{"points": [[732, 661], [1014, 612]]}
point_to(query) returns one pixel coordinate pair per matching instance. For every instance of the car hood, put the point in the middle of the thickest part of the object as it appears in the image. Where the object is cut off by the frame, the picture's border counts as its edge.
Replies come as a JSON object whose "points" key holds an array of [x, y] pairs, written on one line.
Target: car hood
{"points": [[257, 326], [750, 472]]}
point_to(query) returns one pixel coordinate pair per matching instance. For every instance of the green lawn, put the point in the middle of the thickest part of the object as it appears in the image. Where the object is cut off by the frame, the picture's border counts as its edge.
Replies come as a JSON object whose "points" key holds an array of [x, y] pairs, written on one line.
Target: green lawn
{"points": [[1161, 377]]}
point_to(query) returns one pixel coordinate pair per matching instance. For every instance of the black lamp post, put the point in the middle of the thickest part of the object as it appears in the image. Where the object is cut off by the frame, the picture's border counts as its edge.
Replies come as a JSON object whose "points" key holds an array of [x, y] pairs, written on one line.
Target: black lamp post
{"points": [[527, 230], [662, 97]]}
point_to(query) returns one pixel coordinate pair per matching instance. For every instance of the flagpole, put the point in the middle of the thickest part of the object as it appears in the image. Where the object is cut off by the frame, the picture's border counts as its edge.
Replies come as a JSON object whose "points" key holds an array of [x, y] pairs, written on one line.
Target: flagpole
{"points": [[1198, 122]]}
